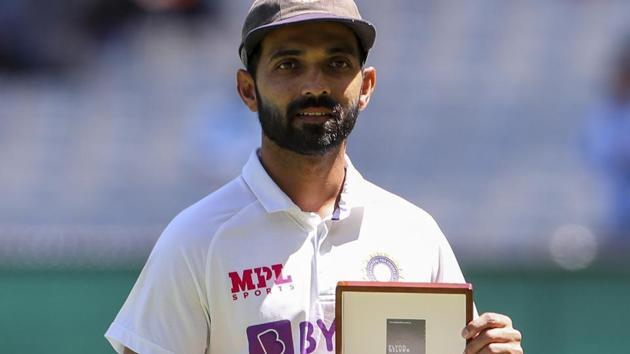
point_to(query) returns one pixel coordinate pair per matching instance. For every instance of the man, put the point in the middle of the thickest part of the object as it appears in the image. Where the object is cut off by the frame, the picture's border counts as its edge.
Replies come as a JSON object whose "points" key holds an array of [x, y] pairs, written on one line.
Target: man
{"points": [[252, 268]]}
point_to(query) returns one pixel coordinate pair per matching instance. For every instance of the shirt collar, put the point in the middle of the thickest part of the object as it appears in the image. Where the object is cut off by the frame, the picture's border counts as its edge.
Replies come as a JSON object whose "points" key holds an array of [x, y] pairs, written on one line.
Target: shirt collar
{"points": [[273, 199]]}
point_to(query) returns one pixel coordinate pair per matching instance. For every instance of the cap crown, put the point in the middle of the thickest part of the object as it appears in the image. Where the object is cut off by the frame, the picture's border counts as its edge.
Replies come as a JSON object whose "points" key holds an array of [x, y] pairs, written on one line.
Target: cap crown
{"points": [[264, 15], [264, 12]]}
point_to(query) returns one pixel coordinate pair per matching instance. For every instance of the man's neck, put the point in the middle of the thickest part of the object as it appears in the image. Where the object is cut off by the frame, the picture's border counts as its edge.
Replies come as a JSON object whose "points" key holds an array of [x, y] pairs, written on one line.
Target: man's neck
{"points": [[313, 183]]}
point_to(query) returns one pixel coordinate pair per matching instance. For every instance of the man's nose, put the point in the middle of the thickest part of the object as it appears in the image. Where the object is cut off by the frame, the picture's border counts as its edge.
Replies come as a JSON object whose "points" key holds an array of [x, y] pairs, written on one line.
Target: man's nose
{"points": [[315, 83]]}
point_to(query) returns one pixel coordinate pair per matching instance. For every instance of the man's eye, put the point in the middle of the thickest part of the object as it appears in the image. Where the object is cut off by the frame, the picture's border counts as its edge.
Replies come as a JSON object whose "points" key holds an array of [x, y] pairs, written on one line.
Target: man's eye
{"points": [[287, 65], [339, 64]]}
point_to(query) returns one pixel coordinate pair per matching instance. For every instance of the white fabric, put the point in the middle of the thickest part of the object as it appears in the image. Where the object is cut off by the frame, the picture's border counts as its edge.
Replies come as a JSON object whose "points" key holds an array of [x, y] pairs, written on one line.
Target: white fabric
{"points": [[244, 270]]}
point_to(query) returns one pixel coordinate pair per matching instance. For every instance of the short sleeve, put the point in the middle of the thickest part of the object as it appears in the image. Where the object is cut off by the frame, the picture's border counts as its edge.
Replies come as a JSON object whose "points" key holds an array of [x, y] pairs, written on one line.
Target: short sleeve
{"points": [[165, 312], [448, 270]]}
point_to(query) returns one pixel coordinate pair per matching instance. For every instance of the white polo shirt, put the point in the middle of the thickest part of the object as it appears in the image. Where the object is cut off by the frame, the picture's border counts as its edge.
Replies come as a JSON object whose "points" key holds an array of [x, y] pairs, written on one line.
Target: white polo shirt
{"points": [[244, 270]]}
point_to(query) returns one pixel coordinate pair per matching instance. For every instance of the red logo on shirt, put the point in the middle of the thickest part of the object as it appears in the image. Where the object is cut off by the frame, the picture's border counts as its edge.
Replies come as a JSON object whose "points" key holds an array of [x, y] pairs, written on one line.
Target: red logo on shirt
{"points": [[258, 281]]}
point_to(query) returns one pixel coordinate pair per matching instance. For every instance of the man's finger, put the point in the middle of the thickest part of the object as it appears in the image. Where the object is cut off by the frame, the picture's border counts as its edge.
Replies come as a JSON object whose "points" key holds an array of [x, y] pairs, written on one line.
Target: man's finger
{"points": [[485, 321], [493, 335], [502, 348]]}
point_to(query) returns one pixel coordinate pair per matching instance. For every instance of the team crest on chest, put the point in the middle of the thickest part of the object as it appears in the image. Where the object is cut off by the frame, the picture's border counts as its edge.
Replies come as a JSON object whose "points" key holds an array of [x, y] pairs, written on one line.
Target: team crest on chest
{"points": [[382, 267]]}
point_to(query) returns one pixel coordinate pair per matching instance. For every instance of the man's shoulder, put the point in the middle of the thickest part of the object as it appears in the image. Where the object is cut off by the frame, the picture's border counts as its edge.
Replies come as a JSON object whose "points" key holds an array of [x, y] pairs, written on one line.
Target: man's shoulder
{"points": [[203, 218], [392, 214], [387, 201]]}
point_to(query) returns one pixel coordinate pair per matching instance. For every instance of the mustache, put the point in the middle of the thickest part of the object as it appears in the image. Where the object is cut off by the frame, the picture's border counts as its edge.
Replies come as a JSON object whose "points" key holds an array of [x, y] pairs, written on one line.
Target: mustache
{"points": [[304, 102]]}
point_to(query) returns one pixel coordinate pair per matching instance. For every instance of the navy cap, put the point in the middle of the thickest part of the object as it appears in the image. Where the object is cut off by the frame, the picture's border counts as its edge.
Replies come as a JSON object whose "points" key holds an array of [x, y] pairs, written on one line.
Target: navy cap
{"points": [[266, 15]]}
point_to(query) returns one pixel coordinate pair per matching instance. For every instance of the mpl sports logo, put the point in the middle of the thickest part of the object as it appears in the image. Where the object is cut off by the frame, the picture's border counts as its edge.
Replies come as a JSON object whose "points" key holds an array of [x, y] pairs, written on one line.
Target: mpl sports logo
{"points": [[258, 281]]}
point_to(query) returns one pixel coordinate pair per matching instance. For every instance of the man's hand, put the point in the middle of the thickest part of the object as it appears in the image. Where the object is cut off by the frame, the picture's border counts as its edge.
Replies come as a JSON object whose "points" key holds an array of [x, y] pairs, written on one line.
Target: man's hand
{"points": [[492, 333]]}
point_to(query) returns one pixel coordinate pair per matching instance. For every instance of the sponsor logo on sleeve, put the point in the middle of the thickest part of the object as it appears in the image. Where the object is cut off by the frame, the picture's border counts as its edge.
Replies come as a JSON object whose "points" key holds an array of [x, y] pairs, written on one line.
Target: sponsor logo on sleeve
{"points": [[258, 281]]}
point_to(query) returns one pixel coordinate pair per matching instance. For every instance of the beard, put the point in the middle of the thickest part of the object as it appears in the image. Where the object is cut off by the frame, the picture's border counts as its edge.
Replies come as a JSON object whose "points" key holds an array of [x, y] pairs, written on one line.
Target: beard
{"points": [[309, 139]]}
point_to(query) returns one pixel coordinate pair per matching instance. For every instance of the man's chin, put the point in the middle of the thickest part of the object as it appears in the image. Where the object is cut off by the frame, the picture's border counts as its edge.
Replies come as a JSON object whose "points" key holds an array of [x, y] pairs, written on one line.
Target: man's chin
{"points": [[312, 123], [313, 149]]}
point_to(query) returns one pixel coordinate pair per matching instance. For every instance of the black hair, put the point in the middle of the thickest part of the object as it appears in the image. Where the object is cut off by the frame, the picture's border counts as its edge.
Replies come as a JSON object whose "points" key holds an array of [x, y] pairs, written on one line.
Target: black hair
{"points": [[252, 61]]}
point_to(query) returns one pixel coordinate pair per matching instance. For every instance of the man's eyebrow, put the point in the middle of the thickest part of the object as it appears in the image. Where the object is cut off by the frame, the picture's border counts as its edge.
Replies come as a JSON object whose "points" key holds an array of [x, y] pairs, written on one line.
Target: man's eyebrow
{"points": [[343, 50], [280, 53]]}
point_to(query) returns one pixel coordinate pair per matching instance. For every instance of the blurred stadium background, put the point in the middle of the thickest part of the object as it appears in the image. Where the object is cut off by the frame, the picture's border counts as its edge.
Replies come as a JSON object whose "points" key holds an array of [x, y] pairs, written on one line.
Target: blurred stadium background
{"points": [[117, 114]]}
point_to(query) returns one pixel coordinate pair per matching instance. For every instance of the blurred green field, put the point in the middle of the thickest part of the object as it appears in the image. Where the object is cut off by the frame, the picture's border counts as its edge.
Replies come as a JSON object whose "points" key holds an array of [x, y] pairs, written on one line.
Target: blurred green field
{"points": [[67, 312]]}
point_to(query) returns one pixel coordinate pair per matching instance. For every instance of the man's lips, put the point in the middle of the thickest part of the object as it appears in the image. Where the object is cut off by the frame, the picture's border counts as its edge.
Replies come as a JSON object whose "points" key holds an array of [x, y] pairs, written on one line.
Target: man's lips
{"points": [[315, 113]]}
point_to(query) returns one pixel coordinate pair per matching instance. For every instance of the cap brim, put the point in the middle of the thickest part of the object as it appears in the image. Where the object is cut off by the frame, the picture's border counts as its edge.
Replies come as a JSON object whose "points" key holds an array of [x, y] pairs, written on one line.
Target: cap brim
{"points": [[365, 31]]}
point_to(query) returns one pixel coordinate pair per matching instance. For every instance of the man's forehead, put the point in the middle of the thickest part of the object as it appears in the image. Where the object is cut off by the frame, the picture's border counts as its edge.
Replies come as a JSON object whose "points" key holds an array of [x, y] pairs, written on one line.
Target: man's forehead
{"points": [[323, 34]]}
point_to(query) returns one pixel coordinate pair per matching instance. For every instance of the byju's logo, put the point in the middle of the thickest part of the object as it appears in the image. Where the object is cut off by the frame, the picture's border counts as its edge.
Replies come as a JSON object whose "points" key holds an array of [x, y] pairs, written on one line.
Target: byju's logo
{"points": [[270, 338], [258, 281], [276, 337]]}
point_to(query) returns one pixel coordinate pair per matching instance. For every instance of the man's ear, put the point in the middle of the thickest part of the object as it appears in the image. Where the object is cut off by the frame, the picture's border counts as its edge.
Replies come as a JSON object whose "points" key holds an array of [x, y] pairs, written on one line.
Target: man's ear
{"points": [[247, 89], [367, 87]]}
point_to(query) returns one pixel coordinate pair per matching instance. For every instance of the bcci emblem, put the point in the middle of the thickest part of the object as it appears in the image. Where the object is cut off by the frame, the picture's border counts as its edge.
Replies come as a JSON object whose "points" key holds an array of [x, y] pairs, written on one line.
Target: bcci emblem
{"points": [[380, 267]]}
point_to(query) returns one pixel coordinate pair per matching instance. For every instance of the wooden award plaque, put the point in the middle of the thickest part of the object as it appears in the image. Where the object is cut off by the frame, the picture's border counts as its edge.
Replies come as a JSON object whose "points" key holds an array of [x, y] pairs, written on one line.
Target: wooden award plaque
{"points": [[397, 317]]}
